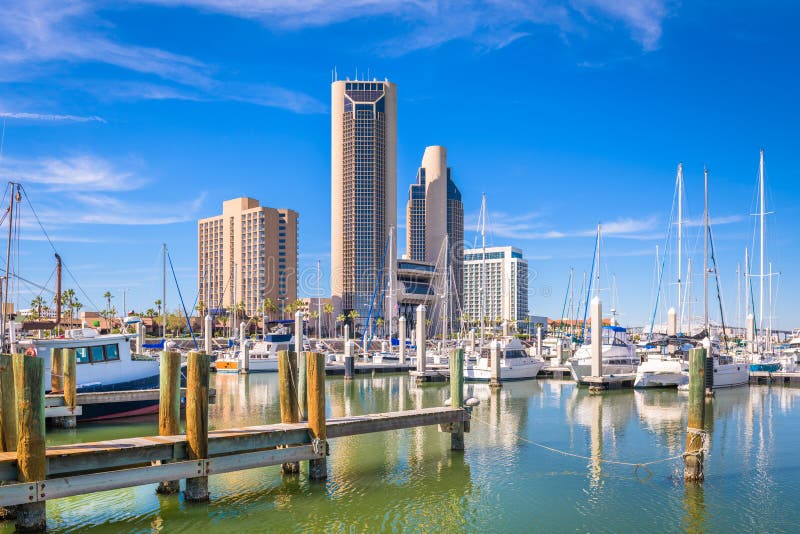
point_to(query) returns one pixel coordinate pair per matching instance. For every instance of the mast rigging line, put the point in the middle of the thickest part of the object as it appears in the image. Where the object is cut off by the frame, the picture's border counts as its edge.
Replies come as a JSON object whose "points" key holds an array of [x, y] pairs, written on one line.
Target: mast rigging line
{"points": [[183, 305], [589, 288]]}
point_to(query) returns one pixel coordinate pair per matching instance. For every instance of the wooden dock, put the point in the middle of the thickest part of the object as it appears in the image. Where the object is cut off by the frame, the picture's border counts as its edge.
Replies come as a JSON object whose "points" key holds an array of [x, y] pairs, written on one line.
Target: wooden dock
{"points": [[34, 474], [560, 372], [336, 369], [778, 377], [602, 383]]}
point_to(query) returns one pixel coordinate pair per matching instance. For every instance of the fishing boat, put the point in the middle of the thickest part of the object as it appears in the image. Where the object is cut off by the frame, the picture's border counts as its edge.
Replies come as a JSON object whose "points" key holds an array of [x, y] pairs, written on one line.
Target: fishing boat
{"points": [[516, 364], [104, 363], [619, 355], [661, 372]]}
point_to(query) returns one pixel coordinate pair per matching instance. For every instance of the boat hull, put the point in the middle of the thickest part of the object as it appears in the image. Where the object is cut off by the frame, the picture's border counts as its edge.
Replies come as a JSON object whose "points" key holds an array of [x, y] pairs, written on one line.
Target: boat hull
{"points": [[772, 367], [579, 371], [523, 371], [660, 374]]}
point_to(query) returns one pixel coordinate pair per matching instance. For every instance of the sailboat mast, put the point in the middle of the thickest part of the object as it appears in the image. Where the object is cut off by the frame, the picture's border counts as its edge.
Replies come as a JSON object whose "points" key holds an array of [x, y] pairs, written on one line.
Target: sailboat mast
{"points": [[705, 255], [761, 245], [769, 334], [597, 286], [164, 290], [738, 294], [571, 298], [689, 294], [680, 247], [446, 288], [483, 267], [319, 301], [5, 297], [391, 271]]}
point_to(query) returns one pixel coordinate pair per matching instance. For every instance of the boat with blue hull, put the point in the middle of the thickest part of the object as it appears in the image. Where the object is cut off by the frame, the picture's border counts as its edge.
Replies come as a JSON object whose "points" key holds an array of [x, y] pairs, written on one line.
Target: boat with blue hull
{"points": [[104, 364]]}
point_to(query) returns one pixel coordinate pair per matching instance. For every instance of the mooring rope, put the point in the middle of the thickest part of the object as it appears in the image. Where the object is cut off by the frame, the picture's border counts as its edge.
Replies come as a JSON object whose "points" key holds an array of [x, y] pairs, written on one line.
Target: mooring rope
{"points": [[635, 465]]}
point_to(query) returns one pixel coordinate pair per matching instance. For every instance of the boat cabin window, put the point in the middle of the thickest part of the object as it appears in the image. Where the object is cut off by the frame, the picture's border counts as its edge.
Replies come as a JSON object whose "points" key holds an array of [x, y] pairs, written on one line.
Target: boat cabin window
{"points": [[97, 354], [515, 353]]}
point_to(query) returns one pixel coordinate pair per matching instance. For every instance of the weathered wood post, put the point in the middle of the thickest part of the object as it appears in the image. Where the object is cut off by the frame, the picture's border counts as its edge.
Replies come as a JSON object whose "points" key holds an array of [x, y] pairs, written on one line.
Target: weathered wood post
{"points": [[597, 337], [420, 328], [8, 417], [197, 383], [169, 406], [695, 433], [287, 378], [457, 396], [495, 379], [401, 338], [301, 364], [8, 405], [31, 460], [56, 371], [70, 377], [315, 367]]}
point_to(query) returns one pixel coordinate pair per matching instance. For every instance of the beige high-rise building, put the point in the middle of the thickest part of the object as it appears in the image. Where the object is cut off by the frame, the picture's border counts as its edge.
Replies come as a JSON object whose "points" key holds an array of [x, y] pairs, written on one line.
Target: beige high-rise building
{"points": [[363, 195], [435, 228], [251, 246]]}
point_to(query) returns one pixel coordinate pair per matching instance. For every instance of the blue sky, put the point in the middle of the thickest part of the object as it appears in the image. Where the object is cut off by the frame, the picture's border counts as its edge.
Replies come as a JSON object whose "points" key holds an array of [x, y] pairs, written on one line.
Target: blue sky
{"points": [[128, 121]]}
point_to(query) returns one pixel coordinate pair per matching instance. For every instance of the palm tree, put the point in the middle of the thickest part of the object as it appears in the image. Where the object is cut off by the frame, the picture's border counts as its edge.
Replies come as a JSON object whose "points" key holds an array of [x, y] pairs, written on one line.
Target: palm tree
{"points": [[314, 315], [269, 307], [340, 320], [157, 302], [379, 322], [68, 301], [353, 315], [37, 304], [108, 296], [327, 309]]}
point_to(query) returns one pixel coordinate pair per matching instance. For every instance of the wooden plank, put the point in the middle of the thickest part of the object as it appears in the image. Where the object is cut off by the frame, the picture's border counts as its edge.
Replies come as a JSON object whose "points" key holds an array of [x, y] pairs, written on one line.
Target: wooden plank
{"points": [[62, 411], [350, 426], [251, 460], [107, 397]]}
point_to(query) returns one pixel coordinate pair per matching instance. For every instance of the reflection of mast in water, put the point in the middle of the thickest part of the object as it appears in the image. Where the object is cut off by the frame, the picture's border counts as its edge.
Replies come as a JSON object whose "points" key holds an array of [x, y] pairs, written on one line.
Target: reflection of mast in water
{"points": [[596, 438]]}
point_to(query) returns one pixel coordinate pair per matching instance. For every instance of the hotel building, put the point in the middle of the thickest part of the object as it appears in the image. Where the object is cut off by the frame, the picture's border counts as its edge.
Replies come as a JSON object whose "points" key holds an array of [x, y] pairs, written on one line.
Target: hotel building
{"points": [[506, 274], [251, 246]]}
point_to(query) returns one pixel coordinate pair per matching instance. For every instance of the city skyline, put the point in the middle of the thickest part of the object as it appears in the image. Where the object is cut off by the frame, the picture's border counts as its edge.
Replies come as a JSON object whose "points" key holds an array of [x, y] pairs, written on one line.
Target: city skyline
{"points": [[124, 145]]}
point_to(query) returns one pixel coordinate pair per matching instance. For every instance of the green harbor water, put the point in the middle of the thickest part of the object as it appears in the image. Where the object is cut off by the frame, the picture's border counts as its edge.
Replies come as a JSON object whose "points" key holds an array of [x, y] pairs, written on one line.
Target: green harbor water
{"points": [[505, 481]]}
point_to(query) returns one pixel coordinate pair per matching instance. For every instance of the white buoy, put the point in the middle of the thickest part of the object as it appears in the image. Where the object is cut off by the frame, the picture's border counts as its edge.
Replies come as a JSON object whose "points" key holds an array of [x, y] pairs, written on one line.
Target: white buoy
{"points": [[672, 322], [421, 338], [208, 331], [298, 331], [401, 335], [597, 337]]}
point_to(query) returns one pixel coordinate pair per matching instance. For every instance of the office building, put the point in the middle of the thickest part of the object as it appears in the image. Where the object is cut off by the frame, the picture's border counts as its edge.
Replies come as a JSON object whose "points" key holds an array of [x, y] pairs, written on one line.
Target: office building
{"points": [[506, 273], [435, 228], [252, 248], [363, 195]]}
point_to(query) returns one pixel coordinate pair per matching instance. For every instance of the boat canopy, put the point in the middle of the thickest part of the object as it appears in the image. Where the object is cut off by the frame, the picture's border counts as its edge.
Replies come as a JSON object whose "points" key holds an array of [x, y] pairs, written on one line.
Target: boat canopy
{"points": [[614, 328], [159, 345]]}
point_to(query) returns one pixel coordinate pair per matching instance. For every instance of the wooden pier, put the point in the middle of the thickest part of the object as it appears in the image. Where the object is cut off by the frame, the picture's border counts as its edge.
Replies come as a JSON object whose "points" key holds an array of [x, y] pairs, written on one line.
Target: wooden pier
{"points": [[35, 473], [778, 377], [336, 369], [559, 372]]}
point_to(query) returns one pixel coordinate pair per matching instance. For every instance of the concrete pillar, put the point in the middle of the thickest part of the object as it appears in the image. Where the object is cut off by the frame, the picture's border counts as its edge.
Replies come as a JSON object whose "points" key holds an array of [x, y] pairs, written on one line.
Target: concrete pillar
{"points": [[208, 334], [750, 335], [12, 335], [401, 335], [139, 338], [495, 376], [384, 346], [472, 341], [298, 331], [539, 341], [346, 332], [597, 337], [421, 338], [672, 323], [505, 328]]}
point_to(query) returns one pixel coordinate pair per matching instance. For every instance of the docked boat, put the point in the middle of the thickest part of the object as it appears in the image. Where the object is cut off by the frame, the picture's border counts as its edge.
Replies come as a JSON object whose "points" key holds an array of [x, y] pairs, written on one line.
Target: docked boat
{"points": [[516, 364], [104, 363], [262, 356], [619, 355], [661, 372]]}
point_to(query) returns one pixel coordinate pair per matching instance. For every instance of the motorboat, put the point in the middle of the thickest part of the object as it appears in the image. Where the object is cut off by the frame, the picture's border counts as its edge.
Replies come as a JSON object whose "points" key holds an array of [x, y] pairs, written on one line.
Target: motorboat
{"points": [[619, 355], [516, 364], [661, 371], [262, 355], [104, 363]]}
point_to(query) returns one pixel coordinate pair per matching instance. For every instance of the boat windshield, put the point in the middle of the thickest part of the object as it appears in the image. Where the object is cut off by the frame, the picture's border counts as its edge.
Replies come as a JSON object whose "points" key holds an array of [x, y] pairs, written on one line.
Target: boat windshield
{"points": [[514, 353]]}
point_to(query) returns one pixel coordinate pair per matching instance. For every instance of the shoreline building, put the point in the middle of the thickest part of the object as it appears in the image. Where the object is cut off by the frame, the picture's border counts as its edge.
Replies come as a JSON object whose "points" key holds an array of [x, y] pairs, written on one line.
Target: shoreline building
{"points": [[435, 231], [251, 246], [506, 285], [363, 196]]}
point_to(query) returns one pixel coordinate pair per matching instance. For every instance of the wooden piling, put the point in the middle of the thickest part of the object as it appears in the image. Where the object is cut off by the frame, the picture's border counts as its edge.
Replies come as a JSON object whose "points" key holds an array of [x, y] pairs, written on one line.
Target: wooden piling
{"points": [[8, 418], [287, 377], [56, 371], [8, 405], [70, 369], [31, 461], [315, 369], [169, 406], [695, 433], [457, 396], [302, 398], [197, 384]]}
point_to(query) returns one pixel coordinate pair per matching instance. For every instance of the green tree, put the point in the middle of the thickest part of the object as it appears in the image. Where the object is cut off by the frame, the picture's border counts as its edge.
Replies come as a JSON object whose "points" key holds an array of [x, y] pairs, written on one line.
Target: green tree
{"points": [[314, 315], [340, 319], [352, 315], [108, 296], [37, 305], [327, 309]]}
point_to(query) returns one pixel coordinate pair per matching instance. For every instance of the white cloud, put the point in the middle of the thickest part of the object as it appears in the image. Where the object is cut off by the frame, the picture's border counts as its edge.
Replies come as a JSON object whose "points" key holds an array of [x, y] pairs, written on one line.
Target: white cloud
{"points": [[84, 173], [50, 117]]}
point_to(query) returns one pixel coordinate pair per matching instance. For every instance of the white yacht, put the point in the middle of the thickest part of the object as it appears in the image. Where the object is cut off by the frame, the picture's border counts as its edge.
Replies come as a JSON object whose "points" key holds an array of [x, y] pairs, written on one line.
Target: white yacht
{"points": [[661, 371], [263, 355], [619, 355], [516, 364]]}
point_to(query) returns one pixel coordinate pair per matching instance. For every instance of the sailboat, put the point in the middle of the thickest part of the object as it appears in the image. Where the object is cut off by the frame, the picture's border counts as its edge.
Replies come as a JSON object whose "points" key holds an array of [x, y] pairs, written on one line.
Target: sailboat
{"points": [[618, 354]]}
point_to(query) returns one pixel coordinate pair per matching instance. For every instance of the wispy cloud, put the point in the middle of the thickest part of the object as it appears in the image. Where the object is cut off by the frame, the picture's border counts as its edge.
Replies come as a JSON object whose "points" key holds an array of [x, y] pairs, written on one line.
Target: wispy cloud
{"points": [[489, 23], [715, 221], [81, 173], [533, 226], [105, 209], [46, 33], [50, 117]]}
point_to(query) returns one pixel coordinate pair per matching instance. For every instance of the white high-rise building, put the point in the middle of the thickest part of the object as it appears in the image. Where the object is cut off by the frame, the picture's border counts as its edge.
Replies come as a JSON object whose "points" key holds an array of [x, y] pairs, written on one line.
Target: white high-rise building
{"points": [[506, 273]]}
